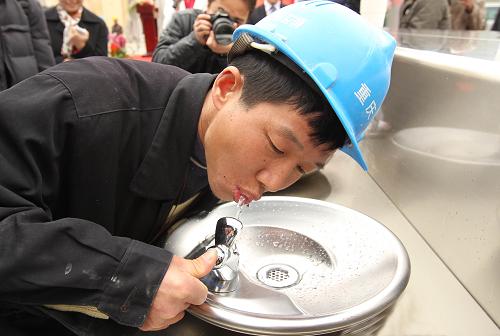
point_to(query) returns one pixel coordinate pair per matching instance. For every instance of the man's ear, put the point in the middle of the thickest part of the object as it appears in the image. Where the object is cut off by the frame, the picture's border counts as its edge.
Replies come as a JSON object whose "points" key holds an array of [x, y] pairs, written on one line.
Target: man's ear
{"points": [[227, 86]]}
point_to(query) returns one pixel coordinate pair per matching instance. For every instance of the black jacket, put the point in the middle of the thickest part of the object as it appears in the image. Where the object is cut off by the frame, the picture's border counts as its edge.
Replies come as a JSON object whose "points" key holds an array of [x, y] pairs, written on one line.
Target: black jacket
{"points": [[496, 24], [87, 178], [24, 41], [178, 46], [258, 14], [351, 4], [97, 45]]}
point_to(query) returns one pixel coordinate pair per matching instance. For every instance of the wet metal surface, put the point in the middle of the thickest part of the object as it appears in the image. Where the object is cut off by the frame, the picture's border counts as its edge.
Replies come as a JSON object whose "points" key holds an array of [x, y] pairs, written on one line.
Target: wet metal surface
{"points": [[438, 160], [460, 146], [476, 44], [338, 268]]}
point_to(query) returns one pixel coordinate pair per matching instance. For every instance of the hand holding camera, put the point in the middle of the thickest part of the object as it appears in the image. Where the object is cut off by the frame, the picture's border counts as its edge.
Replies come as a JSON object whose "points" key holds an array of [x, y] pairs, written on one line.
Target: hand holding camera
{"points": [[215, 31], [202, 27], [212, 44]]}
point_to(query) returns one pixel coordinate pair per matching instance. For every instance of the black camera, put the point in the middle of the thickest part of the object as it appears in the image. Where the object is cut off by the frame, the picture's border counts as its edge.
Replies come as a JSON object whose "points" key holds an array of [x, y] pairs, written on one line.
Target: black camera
{"points": [[223, 27]]}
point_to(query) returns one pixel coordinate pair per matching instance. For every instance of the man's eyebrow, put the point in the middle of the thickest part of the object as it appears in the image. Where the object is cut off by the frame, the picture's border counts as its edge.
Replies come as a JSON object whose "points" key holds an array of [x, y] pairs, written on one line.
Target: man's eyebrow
{"points": [[287, 133]]}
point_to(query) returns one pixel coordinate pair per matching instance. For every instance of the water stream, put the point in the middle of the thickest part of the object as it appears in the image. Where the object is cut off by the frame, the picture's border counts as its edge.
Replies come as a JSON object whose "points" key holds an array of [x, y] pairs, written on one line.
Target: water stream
{"points": [[241, 203]]}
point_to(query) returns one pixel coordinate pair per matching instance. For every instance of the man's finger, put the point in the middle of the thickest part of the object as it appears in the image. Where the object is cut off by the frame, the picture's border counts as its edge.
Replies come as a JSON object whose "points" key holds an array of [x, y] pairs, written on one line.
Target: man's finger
{"points": [[169, 322], [177, 318], [202, 265], [154, 324], [198, 293], [211, 39], [203, 16], [162, 324]]}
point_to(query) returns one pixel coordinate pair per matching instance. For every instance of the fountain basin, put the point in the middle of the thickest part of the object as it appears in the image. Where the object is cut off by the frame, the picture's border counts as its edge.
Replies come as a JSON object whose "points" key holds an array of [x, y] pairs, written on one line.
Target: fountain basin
{"points": [[307, 267]]}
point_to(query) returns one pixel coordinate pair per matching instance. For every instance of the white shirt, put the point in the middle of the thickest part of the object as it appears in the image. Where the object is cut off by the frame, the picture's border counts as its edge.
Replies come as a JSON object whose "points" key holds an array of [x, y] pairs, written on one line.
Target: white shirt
{"points": [[267, 6], [166, 10]]}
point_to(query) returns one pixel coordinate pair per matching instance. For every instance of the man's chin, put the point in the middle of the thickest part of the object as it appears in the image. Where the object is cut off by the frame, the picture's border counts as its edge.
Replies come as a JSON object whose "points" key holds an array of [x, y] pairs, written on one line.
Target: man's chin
{"points": [[220, 194], [223, 198]]}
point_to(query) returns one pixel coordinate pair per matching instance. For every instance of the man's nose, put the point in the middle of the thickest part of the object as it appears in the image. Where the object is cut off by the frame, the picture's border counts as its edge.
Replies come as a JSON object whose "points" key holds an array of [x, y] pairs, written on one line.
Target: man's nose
{"points": [[276, 178]]}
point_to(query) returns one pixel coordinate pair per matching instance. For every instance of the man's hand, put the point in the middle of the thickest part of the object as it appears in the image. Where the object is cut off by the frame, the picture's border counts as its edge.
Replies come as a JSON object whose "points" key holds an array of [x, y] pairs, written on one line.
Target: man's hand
{"points": [[78, 36], [216, 47], [202, 28], [179, 289]]}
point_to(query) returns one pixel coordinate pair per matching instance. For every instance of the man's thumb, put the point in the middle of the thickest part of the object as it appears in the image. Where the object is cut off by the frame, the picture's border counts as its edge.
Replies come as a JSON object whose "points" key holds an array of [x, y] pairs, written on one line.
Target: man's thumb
{"points": [[202, 265]]}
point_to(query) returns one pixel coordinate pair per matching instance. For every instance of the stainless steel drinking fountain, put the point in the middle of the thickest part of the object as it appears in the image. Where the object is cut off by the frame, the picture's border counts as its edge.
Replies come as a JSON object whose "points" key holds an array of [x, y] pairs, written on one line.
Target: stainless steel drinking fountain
{"points": [[306, 267]]}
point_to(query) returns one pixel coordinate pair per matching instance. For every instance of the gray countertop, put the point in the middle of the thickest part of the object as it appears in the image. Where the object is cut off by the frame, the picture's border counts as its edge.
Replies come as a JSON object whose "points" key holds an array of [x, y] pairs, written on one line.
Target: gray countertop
{"points": [[434, 302]]}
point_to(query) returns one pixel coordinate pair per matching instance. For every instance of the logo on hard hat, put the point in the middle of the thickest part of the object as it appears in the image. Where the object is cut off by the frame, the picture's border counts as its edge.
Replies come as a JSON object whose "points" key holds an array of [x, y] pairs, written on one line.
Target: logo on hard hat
{"points": [[292, 20], [363, 94]]}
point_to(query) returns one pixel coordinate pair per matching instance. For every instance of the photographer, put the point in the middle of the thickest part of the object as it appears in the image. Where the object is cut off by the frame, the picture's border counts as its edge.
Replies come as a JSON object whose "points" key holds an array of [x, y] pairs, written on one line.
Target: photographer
{"points": [[199, 41]]}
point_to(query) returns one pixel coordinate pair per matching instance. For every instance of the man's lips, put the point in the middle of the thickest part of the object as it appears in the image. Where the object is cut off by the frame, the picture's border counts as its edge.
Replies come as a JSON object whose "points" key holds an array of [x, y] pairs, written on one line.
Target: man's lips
{"points": [[239, 193]]}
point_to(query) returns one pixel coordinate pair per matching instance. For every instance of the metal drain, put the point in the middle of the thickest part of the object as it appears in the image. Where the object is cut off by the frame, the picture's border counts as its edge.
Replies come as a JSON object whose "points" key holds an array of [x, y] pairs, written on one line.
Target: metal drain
{"points": [[278, 275]]}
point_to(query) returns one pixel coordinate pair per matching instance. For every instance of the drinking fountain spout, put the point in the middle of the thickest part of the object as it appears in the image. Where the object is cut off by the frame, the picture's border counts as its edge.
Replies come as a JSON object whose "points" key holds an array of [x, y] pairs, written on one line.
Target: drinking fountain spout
{"points": [[224, 276]]}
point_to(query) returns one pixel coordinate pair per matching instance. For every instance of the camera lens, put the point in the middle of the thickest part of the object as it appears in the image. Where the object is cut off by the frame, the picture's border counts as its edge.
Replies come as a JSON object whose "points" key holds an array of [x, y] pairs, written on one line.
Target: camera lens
{"points": [[223, 30]]}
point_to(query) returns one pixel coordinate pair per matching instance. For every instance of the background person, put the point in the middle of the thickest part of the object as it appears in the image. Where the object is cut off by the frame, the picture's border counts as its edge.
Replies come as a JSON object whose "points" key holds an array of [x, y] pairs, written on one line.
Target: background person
{"points": [[425, 14], [189, 42], [260, 12], [24, 41], [76, 32], [167, 8], [351, 4], [467, 15]]}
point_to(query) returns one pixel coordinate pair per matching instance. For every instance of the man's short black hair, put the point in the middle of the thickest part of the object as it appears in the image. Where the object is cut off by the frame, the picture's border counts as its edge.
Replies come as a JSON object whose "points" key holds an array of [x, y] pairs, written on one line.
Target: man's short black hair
{"points": [[250, 4], [267, 80]]}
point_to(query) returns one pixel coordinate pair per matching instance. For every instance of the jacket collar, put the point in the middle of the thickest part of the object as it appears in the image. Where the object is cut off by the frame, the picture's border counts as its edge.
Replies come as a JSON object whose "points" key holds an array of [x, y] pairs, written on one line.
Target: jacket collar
{"points": [[162, 172]]}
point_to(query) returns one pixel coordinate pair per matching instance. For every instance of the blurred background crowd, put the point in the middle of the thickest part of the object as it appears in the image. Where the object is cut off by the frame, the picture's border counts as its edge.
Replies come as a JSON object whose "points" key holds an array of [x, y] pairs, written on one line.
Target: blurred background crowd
{"points": [[191, 34]]}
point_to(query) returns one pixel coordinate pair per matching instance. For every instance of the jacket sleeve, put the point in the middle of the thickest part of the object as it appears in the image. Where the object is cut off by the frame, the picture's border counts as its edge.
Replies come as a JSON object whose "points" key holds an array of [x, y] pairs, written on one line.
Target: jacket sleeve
{"points": [[40, 36], [99, 49], [61, 262], [178, 46]]}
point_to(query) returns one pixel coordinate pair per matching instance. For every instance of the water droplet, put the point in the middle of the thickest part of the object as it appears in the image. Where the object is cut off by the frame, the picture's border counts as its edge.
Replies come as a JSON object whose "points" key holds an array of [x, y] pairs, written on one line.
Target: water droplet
{"points": [[239, 210], [68, 268]]}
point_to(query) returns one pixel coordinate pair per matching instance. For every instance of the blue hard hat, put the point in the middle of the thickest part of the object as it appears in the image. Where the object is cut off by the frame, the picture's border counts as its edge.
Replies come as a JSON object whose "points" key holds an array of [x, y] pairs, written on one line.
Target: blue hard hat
{"points": [[348, 59]]}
